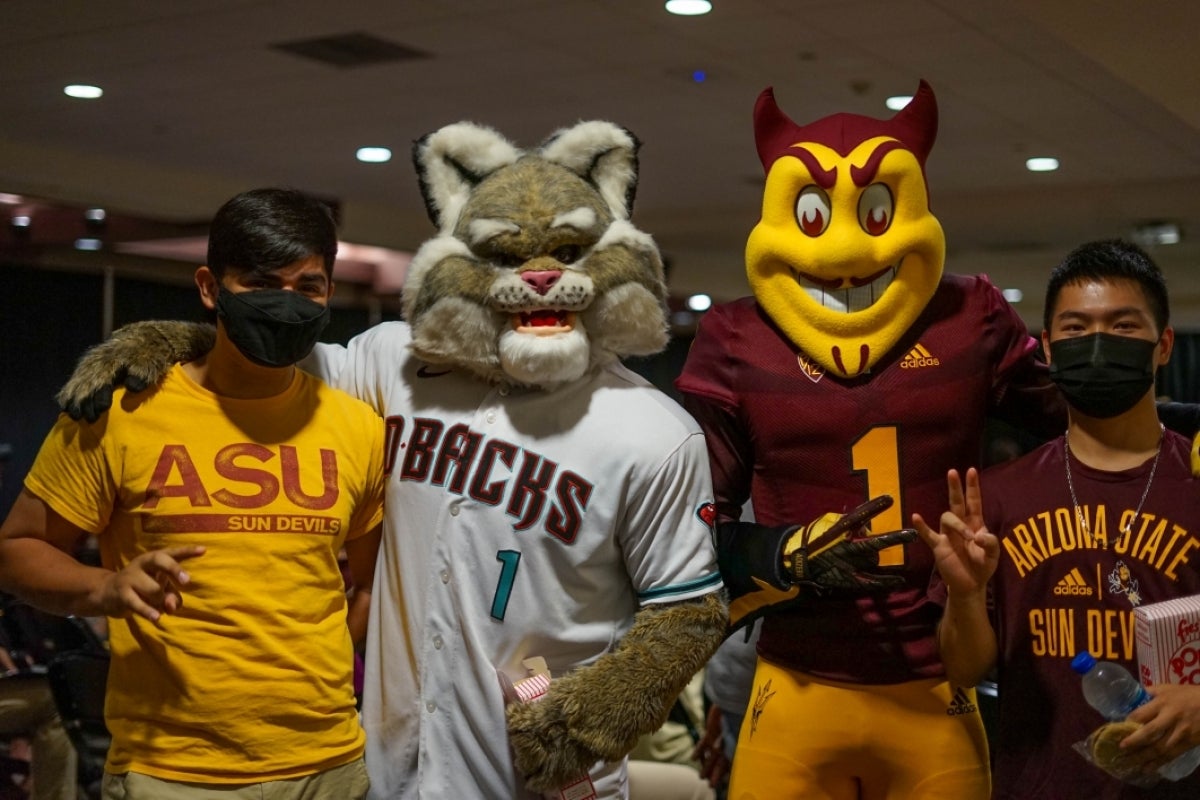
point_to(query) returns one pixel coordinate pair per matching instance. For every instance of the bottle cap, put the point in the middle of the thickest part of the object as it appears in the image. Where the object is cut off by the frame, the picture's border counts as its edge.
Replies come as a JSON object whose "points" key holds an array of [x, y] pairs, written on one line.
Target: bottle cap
{"points": [[1083, 662]]}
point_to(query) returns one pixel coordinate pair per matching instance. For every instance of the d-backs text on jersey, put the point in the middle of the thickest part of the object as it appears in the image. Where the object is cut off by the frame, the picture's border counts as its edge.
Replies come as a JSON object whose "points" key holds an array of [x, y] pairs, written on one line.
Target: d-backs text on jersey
{"points": [[466, 462]]}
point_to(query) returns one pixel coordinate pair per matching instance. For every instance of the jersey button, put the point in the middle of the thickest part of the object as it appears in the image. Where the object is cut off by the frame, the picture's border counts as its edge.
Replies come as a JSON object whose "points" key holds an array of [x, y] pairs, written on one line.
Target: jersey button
{"points": [[445, 576], [454, 511], [437, 641], [491, 416], [431, 706]]}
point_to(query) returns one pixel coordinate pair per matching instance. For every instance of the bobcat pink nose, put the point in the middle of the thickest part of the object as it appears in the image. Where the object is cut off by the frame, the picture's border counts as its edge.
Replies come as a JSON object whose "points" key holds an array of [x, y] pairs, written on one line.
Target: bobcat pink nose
{"points": [[540, 280]]}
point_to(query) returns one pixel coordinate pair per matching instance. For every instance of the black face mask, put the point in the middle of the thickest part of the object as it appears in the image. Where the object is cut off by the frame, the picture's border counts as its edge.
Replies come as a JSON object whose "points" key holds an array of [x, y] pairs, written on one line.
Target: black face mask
{"points": [[1101, 374], [272, 327]]}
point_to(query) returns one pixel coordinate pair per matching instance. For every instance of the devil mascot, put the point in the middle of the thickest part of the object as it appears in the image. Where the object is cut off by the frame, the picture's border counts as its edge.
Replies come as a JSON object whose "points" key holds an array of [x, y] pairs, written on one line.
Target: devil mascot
{"points": [[857, 370]]}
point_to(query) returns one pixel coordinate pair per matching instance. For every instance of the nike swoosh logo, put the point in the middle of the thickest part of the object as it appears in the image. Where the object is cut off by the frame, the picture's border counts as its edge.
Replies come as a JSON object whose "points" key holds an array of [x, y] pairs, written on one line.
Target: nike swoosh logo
{"points": [[425, 372]]}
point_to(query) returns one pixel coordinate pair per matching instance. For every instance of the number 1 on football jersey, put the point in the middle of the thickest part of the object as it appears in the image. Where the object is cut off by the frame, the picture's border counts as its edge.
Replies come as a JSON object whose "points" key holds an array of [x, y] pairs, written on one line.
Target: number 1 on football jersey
{"points": [[877, 453]]}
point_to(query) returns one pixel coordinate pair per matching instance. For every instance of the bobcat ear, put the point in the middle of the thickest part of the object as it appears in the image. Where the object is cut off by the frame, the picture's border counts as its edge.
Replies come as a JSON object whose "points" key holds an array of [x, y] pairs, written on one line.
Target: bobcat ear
{"points": [[603, 154], [451, 161]]}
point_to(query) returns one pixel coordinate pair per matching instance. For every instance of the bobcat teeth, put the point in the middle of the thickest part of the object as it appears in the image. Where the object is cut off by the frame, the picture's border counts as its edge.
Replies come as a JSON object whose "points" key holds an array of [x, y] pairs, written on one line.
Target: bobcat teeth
{"points": [[544, 321]]}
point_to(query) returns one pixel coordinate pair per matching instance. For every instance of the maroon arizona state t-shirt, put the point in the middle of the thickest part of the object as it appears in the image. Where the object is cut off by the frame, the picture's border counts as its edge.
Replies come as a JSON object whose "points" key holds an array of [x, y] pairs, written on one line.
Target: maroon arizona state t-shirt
{"points": [[1058, 591]]}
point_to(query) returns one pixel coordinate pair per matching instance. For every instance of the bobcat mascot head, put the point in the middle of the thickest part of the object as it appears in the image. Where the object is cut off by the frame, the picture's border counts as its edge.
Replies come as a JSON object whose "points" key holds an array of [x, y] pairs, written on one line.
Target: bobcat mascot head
{"points": [[535, 274]]}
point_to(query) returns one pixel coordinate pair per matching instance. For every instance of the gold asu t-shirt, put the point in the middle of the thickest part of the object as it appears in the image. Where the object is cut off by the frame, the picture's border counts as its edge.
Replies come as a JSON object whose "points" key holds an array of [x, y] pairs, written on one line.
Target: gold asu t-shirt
{"points": [[252, 679]]}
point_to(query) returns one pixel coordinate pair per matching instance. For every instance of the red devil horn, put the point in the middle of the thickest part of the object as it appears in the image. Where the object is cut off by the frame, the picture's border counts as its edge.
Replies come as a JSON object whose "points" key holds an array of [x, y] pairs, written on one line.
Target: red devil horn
{"points": [[773, 131], [917, 123]]}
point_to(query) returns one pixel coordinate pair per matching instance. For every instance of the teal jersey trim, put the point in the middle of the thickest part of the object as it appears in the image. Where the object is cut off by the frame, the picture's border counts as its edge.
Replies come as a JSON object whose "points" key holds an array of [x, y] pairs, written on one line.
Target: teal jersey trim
{"points": [[712, 580]]}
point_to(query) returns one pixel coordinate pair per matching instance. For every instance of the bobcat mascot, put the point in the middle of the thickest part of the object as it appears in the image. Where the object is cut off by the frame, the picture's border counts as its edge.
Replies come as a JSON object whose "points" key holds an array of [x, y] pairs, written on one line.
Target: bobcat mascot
{"points": [[543, 501]]}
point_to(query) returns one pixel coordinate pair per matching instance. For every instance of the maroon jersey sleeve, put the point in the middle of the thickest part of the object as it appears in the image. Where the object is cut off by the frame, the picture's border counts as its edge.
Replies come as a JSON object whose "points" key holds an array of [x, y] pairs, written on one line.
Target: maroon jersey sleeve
{"points": [[706, 385], [1022, 393]]}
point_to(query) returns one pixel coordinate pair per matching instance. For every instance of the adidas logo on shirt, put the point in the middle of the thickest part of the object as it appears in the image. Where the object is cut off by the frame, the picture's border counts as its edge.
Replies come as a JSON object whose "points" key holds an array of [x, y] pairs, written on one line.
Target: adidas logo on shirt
{"points": [[1073, 585], [961, 704], [919, 357]]}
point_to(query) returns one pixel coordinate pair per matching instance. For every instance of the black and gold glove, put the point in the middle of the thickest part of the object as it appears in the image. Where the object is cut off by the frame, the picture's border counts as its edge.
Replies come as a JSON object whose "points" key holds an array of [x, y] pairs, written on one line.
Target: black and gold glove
{"points": [[835, 553], [767, 569]]}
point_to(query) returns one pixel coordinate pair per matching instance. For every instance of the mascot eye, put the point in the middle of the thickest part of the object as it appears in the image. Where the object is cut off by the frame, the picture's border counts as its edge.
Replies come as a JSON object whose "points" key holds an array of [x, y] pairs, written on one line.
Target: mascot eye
{"points": [[875, 209], [812, 210], [567, 254]]}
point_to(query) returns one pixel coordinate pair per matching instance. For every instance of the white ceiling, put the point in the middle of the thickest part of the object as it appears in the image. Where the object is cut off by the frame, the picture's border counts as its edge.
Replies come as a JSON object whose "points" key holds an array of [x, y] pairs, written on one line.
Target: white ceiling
{"points": [[198, 105]]}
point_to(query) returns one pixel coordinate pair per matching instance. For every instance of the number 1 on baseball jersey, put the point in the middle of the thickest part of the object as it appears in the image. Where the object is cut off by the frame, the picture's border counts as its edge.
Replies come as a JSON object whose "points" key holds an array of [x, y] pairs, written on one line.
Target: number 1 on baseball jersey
{"points": [[510, 559]]}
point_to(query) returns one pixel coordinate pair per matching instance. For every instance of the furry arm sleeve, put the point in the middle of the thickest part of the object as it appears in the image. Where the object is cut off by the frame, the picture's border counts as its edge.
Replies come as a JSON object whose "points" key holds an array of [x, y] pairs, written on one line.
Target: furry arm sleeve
{"points": [[137, 355], [597, 712]]}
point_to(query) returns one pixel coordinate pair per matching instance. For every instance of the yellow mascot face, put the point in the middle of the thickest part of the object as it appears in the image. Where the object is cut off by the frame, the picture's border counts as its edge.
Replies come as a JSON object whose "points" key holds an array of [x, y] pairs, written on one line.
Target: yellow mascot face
{"points": [[847, 254]]}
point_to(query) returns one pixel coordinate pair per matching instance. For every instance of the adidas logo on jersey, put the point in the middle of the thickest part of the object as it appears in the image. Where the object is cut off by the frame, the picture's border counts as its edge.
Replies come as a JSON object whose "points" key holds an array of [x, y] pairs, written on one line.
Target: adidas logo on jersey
{"points": [[1073, 585], [961, 704], [919, 357]]}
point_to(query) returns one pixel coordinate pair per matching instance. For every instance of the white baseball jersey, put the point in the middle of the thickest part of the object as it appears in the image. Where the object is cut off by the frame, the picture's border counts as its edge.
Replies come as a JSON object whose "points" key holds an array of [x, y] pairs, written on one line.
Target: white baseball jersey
{"points": [[518, 523]]}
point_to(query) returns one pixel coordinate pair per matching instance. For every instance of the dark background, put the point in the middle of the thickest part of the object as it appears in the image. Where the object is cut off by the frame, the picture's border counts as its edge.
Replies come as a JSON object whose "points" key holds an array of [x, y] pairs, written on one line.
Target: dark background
{"points": [[49, 318]]}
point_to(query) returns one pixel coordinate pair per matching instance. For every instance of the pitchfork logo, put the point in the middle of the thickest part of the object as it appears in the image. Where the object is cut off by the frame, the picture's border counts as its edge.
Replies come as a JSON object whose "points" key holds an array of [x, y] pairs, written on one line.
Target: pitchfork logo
{"points": [[811, 369]]}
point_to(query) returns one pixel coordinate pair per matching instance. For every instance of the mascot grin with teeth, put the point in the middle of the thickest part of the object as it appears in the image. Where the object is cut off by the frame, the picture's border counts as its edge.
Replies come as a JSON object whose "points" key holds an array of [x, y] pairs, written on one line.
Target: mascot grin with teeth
{"points": [[857, 370], [544, 502]]}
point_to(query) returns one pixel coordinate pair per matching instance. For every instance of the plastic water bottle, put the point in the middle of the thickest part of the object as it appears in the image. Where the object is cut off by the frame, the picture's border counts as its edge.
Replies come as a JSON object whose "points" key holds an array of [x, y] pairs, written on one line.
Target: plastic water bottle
{"points": [[1108, 687], [1111, 690]]}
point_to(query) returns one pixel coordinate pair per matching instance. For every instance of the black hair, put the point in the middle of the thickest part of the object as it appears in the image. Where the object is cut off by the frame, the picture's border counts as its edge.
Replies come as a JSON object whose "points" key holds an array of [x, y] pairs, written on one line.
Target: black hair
{"points": [[264, 229], [1110, 260]]}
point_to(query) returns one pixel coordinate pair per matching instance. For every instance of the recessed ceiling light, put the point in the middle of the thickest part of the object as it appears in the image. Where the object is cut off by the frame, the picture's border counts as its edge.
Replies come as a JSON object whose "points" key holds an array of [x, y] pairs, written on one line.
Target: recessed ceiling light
{"points": [[374, 155], [88, 244], [1041, 164], [898, 101], [689, 8], [1014, 295], [83, 91], [699, 302], [1154, 233], [95, 215], [21, 221], [11, 199]]}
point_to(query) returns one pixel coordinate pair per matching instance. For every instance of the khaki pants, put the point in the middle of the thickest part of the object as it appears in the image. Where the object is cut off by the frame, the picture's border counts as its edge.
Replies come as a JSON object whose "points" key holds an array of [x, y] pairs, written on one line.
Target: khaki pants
{"points": [[347, 782], [27, 709], [655, 780]]}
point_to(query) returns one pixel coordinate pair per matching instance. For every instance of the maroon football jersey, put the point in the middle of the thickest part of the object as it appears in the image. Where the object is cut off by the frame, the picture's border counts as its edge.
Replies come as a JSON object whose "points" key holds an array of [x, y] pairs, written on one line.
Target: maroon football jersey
{"points": [[800, 443], [1059, 590]]}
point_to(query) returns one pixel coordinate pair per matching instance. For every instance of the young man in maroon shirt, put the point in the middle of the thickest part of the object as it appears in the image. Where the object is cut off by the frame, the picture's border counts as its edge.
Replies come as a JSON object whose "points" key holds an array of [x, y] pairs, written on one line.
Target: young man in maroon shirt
{"points": [[1072, 537]]}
